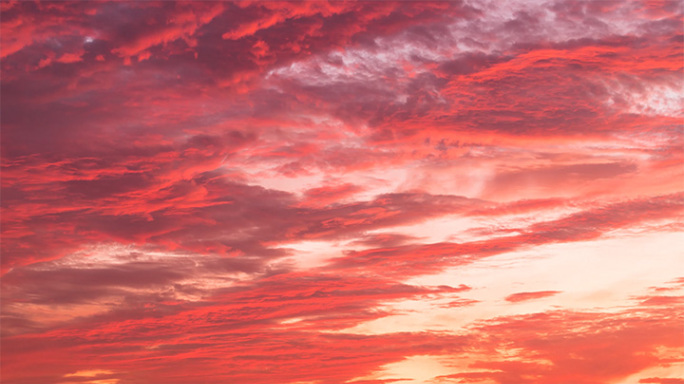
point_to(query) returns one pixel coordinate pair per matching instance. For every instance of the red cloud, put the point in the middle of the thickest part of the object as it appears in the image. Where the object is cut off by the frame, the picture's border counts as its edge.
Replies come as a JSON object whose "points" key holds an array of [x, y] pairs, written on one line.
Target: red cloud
{"points": [[330, 194], [607, 349], [164, 164], [524, 296]]}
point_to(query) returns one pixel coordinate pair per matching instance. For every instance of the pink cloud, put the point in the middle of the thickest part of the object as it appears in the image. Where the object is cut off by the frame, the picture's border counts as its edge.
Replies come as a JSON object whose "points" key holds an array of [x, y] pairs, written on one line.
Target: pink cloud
{"points": [[524, 296], [242, 191]]}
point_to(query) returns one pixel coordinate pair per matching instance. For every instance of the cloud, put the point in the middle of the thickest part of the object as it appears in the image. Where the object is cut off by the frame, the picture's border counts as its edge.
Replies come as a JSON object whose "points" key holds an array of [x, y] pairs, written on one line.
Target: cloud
{"points": [[524, 296], [218, 191], [657, 380]]}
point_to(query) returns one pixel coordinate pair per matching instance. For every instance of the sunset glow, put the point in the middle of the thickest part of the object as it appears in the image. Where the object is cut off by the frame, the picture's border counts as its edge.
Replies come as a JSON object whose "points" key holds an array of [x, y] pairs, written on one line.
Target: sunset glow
{"points": [[369, 192]]}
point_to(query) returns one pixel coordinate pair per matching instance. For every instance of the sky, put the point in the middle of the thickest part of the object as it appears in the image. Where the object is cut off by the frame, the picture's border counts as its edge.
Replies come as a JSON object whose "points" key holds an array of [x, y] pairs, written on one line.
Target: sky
{"points": [[432, 192]]}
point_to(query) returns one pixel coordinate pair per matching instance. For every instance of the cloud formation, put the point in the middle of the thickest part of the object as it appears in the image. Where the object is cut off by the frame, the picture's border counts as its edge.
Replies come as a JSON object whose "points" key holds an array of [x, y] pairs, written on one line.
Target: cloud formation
{"points": [[265, 191]]}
